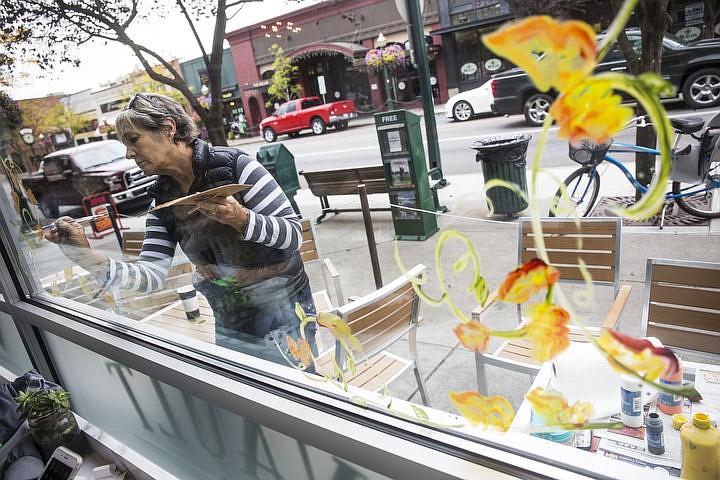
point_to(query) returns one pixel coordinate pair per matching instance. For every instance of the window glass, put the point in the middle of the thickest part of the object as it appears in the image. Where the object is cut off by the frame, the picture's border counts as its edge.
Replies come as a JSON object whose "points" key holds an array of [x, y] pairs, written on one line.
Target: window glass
{"points": [[286, 108], [99, 154], [209, 278], [475, 61], [470, 49], [12, 352], [182, 434]]}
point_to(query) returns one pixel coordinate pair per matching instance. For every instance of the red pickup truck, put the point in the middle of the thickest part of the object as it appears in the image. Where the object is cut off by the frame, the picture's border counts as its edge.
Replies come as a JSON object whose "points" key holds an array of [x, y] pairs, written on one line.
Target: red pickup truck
{"points": [[307, 112]]}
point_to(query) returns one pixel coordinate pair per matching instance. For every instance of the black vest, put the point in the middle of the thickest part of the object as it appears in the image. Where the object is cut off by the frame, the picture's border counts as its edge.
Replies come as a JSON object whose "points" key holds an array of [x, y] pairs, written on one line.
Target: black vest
{"points": [[204, 240]]}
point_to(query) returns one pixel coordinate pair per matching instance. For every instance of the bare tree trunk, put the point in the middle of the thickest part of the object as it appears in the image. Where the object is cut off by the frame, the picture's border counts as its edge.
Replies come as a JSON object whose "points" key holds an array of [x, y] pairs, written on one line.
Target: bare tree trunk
{"points": [[711, 13], [652, 27], [216, 133]]}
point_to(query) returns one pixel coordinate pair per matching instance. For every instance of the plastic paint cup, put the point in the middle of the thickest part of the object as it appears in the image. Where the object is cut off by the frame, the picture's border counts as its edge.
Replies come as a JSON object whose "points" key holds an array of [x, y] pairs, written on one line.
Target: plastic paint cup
{"points": [[190, 302]]}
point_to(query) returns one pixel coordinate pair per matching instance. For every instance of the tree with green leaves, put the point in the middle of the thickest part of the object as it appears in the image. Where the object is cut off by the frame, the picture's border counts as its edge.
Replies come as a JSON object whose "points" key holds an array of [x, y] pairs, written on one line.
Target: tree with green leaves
{"points": [[283, 87], [54, 119], [9, 37], [141, 82], [10, 115], [57, 28]]}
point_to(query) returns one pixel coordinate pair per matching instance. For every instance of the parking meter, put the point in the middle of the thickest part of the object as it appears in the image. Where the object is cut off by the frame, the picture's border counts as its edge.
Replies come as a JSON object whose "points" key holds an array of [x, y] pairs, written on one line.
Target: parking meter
{"points": [[403, 157]]}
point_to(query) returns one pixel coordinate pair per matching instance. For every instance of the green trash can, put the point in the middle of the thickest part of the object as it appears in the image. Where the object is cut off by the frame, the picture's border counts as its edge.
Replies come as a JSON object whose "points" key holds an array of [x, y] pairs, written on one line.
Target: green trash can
{"points": [[504, 158], [278, 160]]}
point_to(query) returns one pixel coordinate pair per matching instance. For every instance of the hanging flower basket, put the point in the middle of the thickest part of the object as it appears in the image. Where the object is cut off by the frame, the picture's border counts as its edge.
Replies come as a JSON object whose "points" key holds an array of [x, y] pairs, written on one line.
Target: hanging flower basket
{"points": [[390, 56], [393, 55], [373, 58]]}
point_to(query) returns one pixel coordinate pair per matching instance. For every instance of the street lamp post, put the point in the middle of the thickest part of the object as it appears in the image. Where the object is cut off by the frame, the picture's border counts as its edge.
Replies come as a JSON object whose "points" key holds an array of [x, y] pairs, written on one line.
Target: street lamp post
{"points": [[380, 42]]}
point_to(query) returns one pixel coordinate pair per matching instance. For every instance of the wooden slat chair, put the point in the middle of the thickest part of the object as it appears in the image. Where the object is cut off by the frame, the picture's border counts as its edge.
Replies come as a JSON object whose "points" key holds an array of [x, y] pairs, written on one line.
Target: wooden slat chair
{"points": [[132, 243], [682, 304], [378, 320], [331, 278], [135, 305], [595, 241]]}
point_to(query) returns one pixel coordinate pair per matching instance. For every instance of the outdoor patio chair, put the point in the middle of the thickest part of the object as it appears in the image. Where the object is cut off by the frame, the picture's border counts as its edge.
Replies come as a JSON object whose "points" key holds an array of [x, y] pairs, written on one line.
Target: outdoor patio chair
{"points": [[311, 257], [136, 305], [378, 320], [681, 307], [595, 241]]}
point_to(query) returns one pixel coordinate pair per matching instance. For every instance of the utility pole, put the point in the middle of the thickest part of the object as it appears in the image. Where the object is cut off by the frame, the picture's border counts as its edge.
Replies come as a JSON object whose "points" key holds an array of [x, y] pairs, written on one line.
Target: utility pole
{"points": [[417, 42]]}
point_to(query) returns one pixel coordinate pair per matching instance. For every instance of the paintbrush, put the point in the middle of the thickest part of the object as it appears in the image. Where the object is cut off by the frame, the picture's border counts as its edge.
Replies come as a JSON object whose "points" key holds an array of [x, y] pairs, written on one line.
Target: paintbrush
{"points": [[82, 221]]}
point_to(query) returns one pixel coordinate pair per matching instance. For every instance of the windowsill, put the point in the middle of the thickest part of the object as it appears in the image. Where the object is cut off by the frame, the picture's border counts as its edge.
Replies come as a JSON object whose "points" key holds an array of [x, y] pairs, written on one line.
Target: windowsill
{"points": [[106, 449]]}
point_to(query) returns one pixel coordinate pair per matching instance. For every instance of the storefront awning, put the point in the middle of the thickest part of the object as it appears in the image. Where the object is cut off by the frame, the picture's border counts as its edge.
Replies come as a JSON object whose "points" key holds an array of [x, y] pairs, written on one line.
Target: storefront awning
{"points": [[352, 51]]}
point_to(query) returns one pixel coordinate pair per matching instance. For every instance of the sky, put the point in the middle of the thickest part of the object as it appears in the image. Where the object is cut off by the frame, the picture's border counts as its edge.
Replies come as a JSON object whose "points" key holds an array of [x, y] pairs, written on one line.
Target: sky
{"points": [[103, 63]]}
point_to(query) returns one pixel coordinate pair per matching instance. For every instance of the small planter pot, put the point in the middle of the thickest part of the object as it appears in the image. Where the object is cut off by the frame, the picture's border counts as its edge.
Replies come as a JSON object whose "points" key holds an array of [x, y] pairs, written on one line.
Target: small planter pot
{"points": [[55, 429]]}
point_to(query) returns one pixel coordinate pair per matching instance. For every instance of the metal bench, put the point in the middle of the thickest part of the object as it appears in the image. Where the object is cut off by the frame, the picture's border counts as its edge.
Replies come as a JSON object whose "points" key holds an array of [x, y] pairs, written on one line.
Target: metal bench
{"points": [[345, 181]]}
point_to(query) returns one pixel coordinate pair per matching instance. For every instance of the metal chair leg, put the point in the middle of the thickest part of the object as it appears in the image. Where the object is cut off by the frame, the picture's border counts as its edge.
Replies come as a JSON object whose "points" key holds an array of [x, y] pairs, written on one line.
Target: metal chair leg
{"points": [[421, 386], [481, 374]]}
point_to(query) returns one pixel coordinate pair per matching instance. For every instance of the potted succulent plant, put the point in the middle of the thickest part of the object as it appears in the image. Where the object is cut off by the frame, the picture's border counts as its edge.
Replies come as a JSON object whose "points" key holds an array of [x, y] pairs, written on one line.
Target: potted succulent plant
{"points": [[50, 419]]}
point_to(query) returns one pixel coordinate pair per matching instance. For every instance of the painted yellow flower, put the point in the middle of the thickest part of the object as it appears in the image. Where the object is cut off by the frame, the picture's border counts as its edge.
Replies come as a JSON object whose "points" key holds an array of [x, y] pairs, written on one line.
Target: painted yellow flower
{"points": [[339, 329], [547, 329], [527, 280], [637, 354], [477, 409], [300, 350], [555, 410], [554, 54], [473, 335], [590, 111]]}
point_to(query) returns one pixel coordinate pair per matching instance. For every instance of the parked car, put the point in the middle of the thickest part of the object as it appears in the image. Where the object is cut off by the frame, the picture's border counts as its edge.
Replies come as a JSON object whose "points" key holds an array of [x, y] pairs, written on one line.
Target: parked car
{"points": [[308, 112], [68, 175], [471, 103], [693, 68]]}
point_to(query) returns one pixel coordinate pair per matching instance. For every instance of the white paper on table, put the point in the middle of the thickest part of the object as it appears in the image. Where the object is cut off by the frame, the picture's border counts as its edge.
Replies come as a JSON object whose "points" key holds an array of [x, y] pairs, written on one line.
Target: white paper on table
{"points": [[707, 382], [647, 461], [581, 373]]}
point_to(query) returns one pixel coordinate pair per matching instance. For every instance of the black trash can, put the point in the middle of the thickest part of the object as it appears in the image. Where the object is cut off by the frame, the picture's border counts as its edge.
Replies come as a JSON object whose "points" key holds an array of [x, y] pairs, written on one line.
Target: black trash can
{"points": [[278, 160], [503, 158]]}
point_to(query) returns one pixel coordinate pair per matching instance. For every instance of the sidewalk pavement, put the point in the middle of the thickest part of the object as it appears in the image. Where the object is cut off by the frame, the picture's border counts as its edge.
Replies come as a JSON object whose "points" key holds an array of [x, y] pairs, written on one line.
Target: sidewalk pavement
{"points": [[445, 365]]}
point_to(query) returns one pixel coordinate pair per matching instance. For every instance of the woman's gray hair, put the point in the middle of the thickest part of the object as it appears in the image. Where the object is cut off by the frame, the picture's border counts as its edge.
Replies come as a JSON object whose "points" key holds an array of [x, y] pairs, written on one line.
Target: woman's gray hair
{"points": [[147, 111]]}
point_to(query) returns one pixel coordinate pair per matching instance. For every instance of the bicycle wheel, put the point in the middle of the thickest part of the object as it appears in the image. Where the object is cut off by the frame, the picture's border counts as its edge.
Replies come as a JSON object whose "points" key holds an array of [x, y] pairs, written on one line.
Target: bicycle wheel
{"points": [[583, 186], [703, 204]]}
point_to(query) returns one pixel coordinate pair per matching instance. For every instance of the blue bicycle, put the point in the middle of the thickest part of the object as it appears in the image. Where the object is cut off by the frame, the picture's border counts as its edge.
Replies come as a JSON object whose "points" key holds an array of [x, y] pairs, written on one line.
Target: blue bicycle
{"points": [[695, 171]]}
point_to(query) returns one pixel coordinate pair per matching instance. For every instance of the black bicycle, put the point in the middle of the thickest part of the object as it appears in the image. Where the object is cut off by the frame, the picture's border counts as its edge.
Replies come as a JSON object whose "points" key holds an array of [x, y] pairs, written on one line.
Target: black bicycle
{"points": [[695, 171]]}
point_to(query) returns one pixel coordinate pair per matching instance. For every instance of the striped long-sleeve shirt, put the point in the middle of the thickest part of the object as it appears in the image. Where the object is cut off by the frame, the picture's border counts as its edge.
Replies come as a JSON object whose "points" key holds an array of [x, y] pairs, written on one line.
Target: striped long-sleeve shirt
{"points": [[272, 222]]}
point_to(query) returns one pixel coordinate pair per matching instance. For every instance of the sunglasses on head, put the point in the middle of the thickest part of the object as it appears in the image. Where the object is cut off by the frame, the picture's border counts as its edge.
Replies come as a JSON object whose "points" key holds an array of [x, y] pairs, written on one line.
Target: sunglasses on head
{"points": [[131, 103]]}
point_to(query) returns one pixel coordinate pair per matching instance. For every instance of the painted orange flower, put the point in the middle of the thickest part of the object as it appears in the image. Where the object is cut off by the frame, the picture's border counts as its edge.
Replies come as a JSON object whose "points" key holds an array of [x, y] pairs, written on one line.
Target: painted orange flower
{"points": [[638, 354], [547, 329], [591, 111], [473, 335], [527, 280], [300, 350], [491, 412], [339, 329], [554, 54], [555, 410]]}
